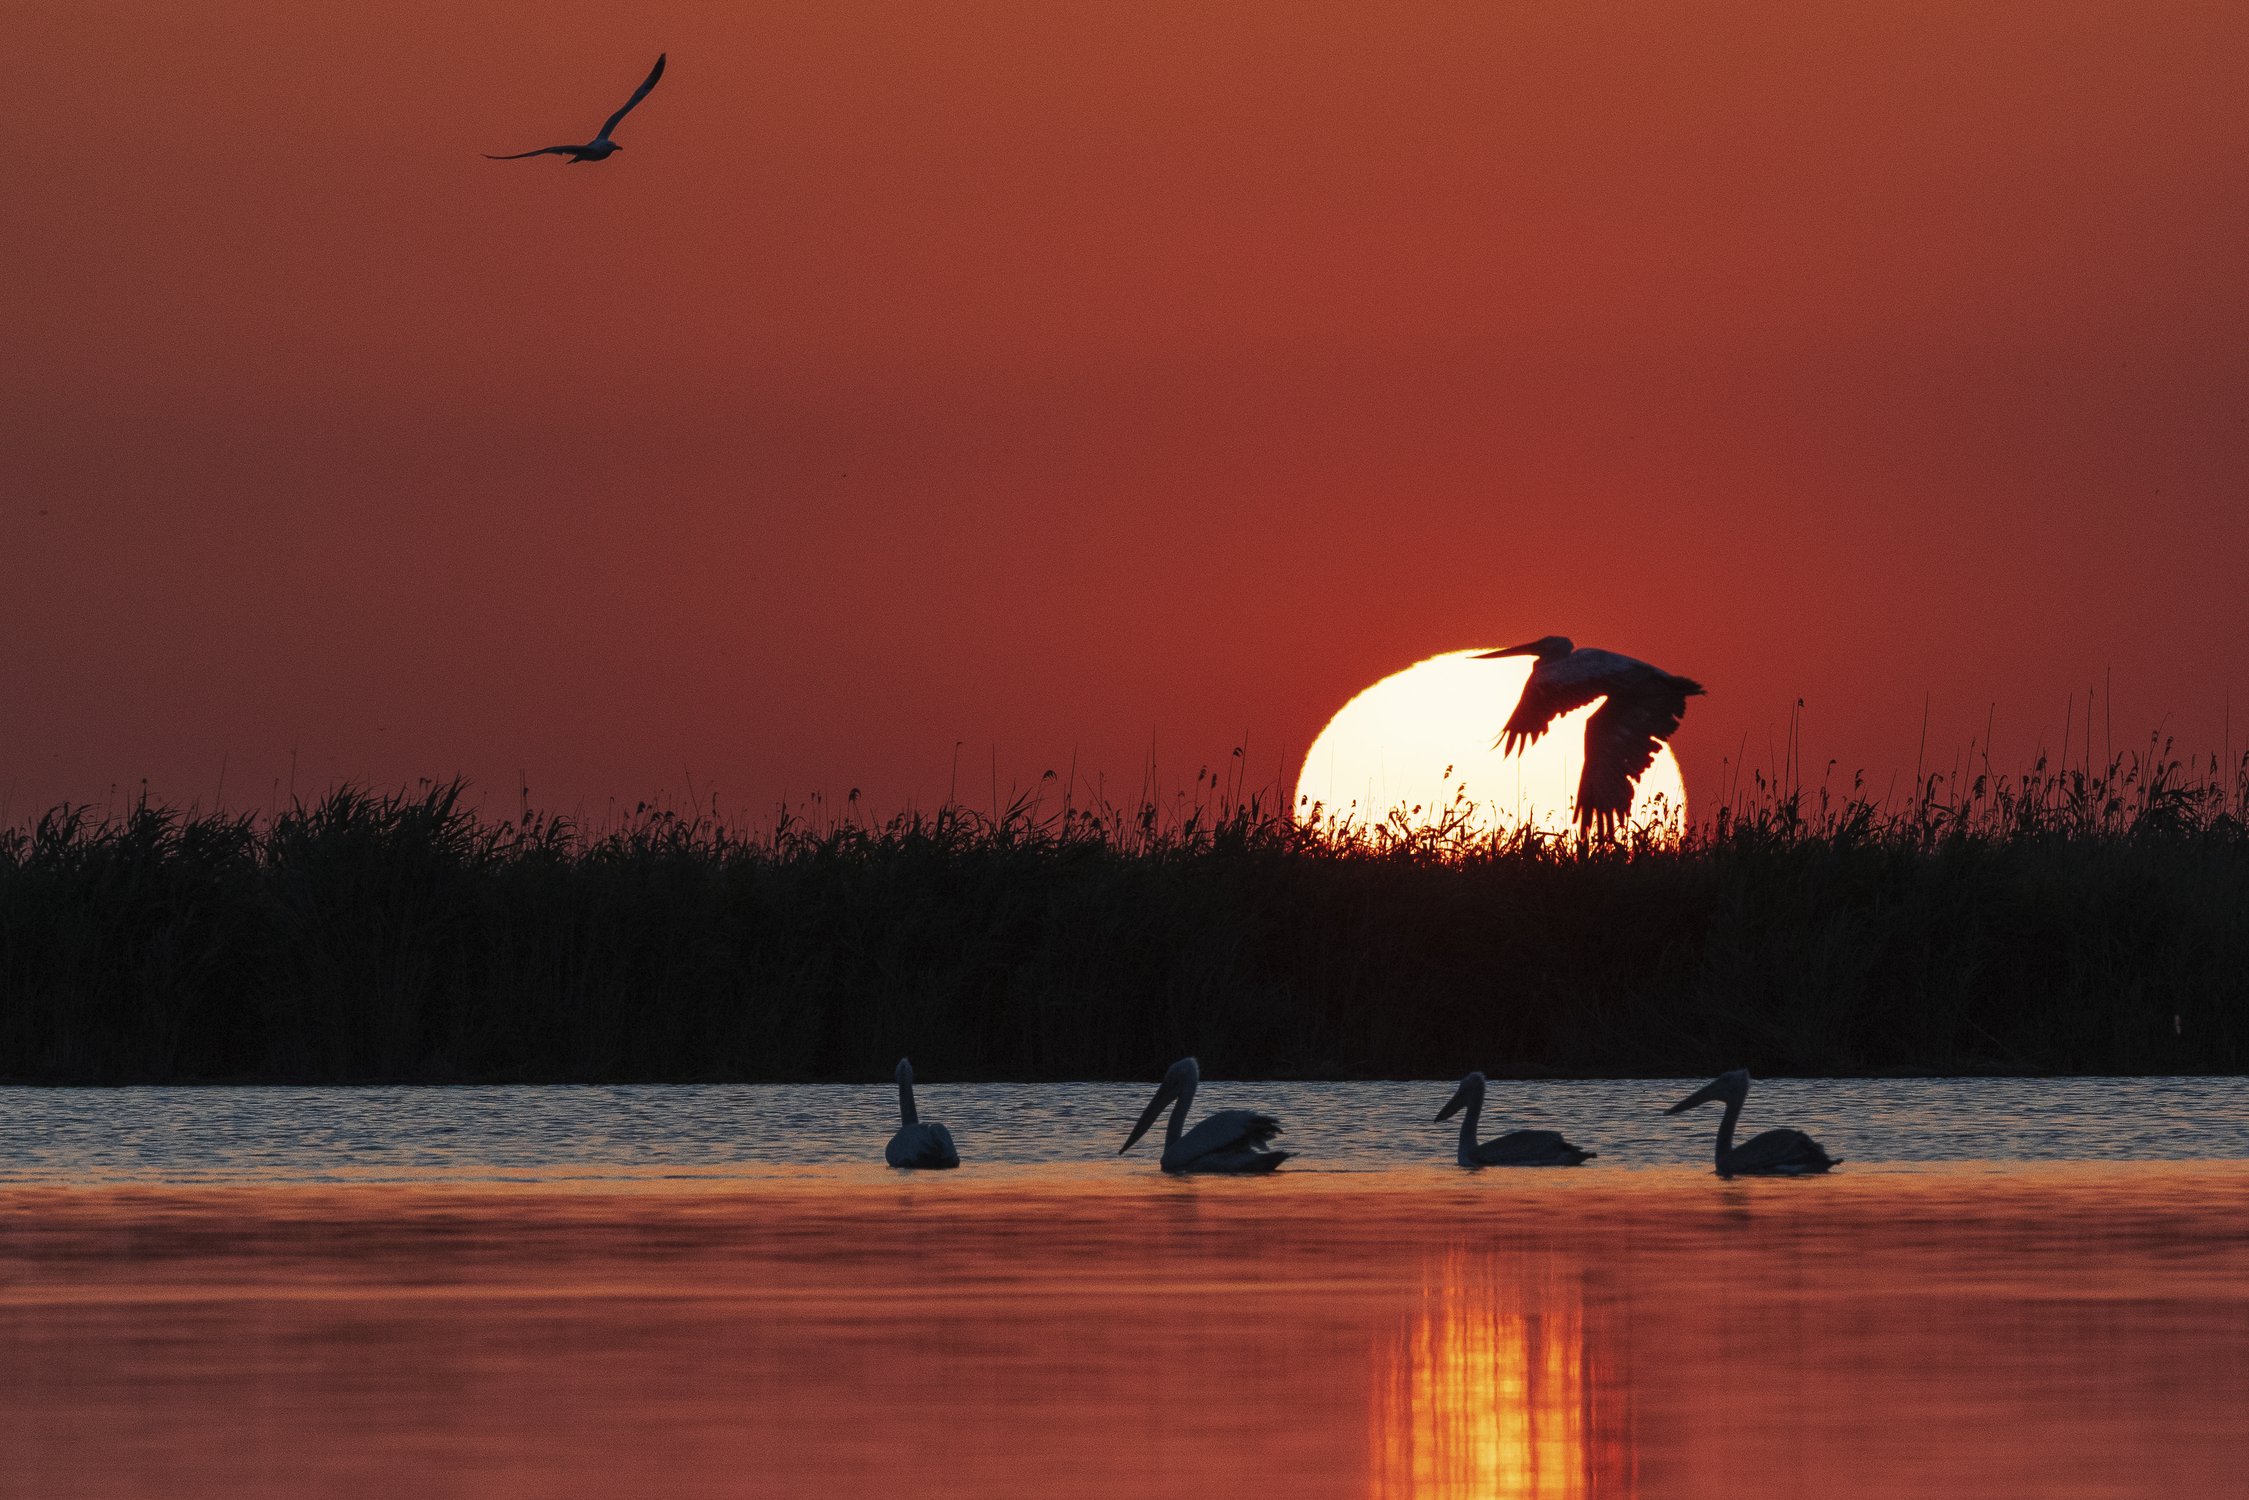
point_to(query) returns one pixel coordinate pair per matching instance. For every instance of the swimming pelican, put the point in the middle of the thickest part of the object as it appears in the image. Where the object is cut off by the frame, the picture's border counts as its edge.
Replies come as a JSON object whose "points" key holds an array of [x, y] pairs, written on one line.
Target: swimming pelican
{"points": [[1232, 1140], [1643, 709], [601, 147], [1775, 1153], [1517, 1148], [917, 1144]]}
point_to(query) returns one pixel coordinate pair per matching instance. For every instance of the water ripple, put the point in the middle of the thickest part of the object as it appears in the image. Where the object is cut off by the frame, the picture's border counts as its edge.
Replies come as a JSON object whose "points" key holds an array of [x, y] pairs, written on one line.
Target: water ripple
{"points": [[160, 1135]]}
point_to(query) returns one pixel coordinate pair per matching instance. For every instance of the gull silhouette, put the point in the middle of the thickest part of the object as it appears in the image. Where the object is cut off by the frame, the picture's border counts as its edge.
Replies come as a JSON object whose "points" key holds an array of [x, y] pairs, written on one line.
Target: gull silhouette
{"points": [[601, 146]]}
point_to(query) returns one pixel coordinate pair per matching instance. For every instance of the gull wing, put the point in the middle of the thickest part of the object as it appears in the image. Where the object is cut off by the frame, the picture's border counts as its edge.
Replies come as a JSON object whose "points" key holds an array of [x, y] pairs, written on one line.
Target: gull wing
{"points": [[1227, 1130], [1621, 741], [638, 94], [542, 151]]}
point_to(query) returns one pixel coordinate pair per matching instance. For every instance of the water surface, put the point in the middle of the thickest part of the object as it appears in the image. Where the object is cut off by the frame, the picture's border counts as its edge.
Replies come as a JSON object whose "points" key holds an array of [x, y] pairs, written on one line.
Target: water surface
{"points": [[461, 1292], [272, 1135]]}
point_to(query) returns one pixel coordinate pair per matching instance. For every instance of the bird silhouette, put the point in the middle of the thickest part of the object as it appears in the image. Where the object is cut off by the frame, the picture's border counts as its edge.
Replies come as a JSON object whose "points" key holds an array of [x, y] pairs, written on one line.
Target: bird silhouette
{"points": [[1771, 1153], [919, 1142], [1643, 710], [601, 147], [1517, 1148], [1233, 1141]]}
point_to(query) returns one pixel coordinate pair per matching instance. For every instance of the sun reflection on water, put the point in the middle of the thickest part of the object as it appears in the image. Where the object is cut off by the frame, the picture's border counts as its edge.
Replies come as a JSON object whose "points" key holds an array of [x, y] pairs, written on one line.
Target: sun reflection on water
{"points": [[1492, 1391]]}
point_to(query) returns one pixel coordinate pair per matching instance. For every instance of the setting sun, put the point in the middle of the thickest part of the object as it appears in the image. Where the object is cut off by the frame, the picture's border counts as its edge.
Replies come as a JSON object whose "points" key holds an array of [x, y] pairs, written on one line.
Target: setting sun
{"points": [[1418, 748]]}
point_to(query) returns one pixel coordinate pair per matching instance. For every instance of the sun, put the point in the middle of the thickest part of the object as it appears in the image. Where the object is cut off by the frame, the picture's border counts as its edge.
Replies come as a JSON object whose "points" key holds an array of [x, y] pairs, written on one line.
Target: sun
{"points": [[1416, 750]]}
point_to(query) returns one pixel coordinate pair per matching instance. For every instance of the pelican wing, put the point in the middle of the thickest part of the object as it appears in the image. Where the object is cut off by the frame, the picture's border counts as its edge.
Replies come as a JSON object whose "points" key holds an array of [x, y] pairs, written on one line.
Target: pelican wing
{"points": [[1621, 740], [542, 151], [1226, 1131], [1556, 688], [926, 1145], [1247, 1161], [638, 94], [1529, 1148], [1777, 1153]]}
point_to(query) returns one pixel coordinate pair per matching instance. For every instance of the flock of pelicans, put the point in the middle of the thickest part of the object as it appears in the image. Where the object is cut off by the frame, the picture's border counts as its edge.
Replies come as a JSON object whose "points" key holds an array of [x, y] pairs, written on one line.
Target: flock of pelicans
{"points": [[1239, 1141]]}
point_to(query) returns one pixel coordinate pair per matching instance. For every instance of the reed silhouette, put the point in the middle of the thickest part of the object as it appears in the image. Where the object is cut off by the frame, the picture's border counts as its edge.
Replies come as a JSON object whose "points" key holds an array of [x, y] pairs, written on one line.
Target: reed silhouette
{"points": [[2084, 921]]}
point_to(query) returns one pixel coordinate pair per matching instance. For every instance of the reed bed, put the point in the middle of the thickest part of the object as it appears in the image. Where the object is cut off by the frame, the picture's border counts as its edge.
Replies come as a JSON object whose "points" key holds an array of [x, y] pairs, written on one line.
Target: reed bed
{"points": [[2093, 920]]}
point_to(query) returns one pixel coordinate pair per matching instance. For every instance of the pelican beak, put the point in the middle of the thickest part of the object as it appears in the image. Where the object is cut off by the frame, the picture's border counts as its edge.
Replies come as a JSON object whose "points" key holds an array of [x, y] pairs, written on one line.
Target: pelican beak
{"points": [[1165, 1093], [1703, 1095], [1528, 648], [1459, 1097]]}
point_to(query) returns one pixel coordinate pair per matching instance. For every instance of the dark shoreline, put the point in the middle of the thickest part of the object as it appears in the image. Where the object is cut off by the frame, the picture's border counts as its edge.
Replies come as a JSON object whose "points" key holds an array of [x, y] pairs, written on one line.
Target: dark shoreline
{"points": [[399, 939], [875, 1079]]}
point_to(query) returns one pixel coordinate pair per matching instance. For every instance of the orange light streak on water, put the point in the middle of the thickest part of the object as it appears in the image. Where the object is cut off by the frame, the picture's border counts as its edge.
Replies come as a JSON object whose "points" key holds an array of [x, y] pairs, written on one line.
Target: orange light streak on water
{"points": [[1491, 1393]]}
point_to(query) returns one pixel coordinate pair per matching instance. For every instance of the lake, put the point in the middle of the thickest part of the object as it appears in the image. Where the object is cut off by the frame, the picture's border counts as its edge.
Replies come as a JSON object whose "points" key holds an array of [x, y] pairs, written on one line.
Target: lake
{"points": [[2033, 1288]]}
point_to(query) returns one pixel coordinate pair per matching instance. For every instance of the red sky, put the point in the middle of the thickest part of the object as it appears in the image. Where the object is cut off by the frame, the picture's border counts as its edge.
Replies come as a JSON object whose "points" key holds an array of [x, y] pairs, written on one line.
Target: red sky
{"points": [[1051, 378]]}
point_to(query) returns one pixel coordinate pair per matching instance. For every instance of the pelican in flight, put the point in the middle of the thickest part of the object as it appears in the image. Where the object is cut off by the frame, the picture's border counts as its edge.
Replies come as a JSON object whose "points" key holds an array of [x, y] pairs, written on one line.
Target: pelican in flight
{"points": [[917, 1143], [601, 146], [1643, 710], [1232, 1140], [1517, 1148], [1775, 1153]]}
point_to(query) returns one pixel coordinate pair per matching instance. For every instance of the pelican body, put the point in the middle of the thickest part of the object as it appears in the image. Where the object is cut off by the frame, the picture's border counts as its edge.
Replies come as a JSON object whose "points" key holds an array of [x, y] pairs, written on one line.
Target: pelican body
{"points": [[1643, 710], [1517, 1148], [918, 1143], [1232, 1141], [601, 147], [1774, 1153]]}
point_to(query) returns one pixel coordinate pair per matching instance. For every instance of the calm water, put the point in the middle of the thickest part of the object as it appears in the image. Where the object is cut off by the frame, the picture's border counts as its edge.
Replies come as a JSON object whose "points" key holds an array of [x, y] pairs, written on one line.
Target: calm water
{"points": [[2013, 1289], [332, 1135]]}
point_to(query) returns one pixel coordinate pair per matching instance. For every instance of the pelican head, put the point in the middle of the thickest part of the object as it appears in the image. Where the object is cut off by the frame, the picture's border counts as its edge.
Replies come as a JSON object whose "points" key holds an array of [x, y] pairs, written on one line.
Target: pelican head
{"points": [[1732, 1087], [1180, 1078], [1545, 648], [907, 1113], [1470, 1091]]}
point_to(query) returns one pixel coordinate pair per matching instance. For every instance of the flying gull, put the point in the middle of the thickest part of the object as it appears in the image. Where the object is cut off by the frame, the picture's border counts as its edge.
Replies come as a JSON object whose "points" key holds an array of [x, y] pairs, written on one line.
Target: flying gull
{"points": [[601, 146]]}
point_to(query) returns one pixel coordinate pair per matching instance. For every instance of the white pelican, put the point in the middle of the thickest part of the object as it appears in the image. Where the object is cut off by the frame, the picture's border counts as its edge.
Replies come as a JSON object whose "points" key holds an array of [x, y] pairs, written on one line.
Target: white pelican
{"points": [[917, 1144], [1232, 1140], [601, 146], [1517, 1148], [1644, 707], [1775, 1153]]}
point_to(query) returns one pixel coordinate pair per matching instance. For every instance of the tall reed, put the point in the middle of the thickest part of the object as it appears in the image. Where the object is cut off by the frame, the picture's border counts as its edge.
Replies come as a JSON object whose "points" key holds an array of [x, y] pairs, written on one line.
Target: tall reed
{"points": [[2088, 920]]}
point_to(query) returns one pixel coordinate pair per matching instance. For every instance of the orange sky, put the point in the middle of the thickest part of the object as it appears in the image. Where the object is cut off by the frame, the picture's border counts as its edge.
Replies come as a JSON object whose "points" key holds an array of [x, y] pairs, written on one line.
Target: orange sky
{"points": [[1051, 377]]}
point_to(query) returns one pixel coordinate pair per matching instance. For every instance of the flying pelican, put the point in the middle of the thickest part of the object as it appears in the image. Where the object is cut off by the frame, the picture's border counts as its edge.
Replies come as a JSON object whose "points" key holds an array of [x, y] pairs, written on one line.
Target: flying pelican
{"points": [[1232, 1140], [917, 1144], [1775, 1153], [601, 146], [1517, 1148], [1644, 707]]}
